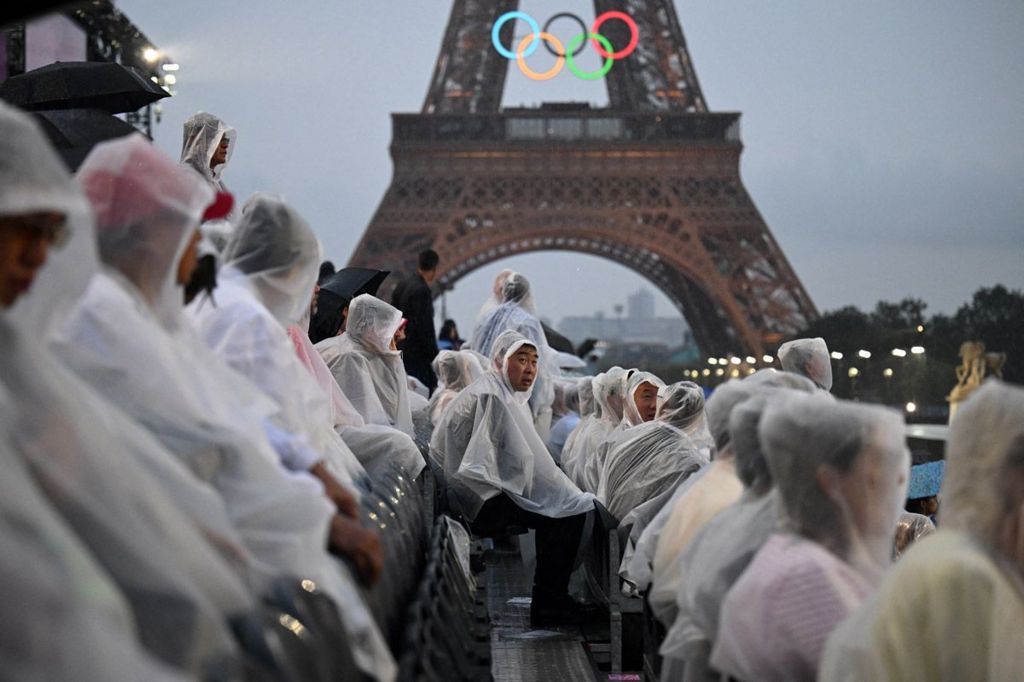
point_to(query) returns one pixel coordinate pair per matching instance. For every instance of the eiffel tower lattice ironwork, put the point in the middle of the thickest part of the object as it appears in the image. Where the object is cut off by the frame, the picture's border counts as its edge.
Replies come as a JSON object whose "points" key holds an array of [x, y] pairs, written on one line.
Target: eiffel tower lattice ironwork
{"points": [[651, 182]]}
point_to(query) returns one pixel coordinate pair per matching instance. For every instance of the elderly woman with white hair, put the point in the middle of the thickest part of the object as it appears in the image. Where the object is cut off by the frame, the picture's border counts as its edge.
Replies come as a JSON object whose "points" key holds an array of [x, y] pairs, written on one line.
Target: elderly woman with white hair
{"points": [[841, 470], [952, 608]]}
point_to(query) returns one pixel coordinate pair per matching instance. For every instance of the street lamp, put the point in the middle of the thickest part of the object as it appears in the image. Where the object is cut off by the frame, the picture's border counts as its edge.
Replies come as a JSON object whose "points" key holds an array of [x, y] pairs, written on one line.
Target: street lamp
{"points": [[767, 359], [836, 355], [899, 352], [712, 361], [911, 408], [917, 350], [151, 54], [863, 354], [853, 372]]}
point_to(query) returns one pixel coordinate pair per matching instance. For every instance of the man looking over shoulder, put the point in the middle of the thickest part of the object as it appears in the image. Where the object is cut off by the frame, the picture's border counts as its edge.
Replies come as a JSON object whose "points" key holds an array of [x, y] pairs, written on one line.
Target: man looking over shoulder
{"points": [[413, 297]]}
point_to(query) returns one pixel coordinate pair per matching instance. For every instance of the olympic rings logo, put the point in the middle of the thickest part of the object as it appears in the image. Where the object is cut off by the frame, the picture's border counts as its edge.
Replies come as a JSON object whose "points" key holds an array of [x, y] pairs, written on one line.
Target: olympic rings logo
{"points": [[565, 55]]}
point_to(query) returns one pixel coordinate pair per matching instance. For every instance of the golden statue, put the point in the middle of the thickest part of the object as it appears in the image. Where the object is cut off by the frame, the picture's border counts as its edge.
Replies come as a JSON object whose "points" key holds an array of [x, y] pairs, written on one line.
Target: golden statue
{"points": [[975, 365]]}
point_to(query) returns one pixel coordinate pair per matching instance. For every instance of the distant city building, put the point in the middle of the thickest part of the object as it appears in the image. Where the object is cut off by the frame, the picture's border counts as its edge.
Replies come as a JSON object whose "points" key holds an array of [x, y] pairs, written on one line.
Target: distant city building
{"points": [[639, 325]]}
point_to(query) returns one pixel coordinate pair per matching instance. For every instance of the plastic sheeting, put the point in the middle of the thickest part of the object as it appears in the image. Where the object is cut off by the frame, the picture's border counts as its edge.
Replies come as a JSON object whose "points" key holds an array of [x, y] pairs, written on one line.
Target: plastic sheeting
{"points": [[201, 137], [652, 458], [610, 394], [910, 529], [185, 396], [841, 473], [809, 358], [952, 608], [486, 445], [369, 372], [375, 446], [589, 414], [455, 370]]}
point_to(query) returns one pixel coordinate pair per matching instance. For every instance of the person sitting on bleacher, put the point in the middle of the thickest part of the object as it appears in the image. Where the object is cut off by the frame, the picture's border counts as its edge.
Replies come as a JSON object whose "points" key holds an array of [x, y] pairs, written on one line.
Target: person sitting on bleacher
{"points": [[589, 413], [502, 474], [454, 371], [608, 389], [648, 462]]}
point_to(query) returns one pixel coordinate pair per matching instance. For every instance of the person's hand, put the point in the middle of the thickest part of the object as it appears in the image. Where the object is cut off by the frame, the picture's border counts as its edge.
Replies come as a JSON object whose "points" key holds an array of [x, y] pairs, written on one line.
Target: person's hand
{"points": [[360, 546], [344, 500]]}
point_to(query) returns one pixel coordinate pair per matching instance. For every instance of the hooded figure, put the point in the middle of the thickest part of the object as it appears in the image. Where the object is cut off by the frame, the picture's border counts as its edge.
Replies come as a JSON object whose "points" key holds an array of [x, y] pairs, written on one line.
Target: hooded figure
{"points": [[565, 413], [652, 458], [265, 284], [588, 415], [367, 368], [715, 490], [128, 339], [952, 608], [502, 473], [809, 358], [609, 389], [638, 565], [639, 405], [207, 146], [455, 370], [71, 452], [841, 472], [518, 312], [376, 446], [724, 547]]}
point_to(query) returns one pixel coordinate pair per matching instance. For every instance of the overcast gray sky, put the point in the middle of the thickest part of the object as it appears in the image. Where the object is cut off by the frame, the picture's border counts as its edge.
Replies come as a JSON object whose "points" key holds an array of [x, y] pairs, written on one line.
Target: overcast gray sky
{"points": [[884, 140]]}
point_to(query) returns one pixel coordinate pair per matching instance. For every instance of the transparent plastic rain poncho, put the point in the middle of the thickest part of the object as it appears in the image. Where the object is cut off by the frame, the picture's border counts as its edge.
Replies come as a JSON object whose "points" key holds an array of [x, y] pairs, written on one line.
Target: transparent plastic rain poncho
{"points": [[594, 468], [100, 480], [168, 381], [565, 416], [841, 473], [724, 547], [495, 299], [369, 372], [486, 445], [63, 618], [201, 137], [589, 414], [609, 389], [454, 371], [809, 358], [909, 529], [266, 283], [952, 608], [652, 458], [518, 313], [374, 445]]}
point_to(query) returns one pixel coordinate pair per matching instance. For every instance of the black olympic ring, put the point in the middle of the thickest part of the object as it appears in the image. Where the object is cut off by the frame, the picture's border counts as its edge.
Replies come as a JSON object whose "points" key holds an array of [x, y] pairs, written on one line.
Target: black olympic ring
{"points": [[565, 15]]}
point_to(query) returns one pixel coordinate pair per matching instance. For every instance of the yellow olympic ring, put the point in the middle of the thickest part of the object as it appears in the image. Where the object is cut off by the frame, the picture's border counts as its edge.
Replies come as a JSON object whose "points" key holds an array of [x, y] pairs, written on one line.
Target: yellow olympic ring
{"points": [[550, 73]]}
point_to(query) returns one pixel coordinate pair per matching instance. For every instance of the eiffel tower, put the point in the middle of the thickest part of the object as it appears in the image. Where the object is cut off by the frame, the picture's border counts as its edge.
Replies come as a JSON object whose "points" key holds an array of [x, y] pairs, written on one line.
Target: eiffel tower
{"points": [[651, 181]]}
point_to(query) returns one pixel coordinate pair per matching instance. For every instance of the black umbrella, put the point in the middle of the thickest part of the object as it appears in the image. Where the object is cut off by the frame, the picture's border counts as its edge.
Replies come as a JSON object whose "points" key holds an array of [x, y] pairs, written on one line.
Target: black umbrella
{"points": [[557, 341], [351, 282], [74, 132], [114, 88]]}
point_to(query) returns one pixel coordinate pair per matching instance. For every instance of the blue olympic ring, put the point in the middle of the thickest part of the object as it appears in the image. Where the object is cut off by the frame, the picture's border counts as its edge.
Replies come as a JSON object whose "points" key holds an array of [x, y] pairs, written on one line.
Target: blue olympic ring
{"points": [[508, 16]]}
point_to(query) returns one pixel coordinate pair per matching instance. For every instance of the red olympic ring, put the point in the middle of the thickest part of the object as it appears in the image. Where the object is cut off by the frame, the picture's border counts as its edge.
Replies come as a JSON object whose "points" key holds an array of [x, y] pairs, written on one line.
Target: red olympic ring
{"points": [[633, 30]]}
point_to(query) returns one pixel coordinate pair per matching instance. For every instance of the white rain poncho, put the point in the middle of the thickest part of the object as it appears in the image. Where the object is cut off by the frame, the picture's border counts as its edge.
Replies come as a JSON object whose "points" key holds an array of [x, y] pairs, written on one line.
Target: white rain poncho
{"points": [[63, 618], [724, 547], [376, 446], [454, 371], [609, 392], [518, 313], [495, 299], [200, 138], [809, 358], [589, 414], [128, 346], [98, 477], [270, 268], [369, 372], [952, 608], [565, 416], [841, 472], [651, 459], [486, 445]]}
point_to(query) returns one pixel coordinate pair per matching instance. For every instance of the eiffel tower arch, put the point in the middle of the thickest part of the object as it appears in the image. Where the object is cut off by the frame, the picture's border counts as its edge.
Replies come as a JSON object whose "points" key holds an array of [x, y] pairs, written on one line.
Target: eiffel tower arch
{"points": [[651, 182]]}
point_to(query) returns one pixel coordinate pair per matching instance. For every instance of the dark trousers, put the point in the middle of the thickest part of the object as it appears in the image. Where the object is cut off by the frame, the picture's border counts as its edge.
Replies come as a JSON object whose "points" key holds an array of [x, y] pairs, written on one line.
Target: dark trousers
{"points": [[419, 367], [557, 541]]}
